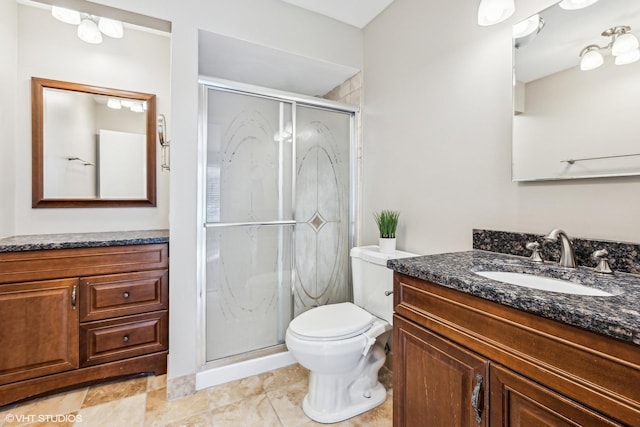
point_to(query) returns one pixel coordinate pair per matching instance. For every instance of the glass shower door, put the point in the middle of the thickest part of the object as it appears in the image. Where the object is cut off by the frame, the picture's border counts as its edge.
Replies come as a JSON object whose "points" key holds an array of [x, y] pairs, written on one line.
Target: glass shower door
{"points": [[249, 222]]}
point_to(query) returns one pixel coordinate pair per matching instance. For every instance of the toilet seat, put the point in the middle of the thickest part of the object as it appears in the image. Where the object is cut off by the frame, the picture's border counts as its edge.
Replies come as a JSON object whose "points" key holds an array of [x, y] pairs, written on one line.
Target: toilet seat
{"points": [[332, 322]]}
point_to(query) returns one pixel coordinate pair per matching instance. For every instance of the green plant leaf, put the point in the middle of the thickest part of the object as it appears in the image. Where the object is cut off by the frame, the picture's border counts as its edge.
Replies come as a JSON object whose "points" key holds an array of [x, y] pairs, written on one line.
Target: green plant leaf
{"points": [[387, 222]]}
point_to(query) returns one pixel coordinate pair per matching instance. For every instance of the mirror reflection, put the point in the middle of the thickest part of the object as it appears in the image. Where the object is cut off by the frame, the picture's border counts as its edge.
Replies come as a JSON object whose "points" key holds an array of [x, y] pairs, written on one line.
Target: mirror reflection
{"points": [[574, 114], [92, 146]]}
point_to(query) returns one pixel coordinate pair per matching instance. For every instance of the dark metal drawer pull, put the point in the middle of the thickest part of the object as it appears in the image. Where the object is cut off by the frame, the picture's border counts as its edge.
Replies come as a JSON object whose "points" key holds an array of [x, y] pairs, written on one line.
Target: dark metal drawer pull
{"points": [[476, 403]]}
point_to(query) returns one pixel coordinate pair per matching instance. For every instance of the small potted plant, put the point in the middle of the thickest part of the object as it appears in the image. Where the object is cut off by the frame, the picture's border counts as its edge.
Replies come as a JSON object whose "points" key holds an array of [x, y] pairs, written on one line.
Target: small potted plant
{"points": [[387, 222]]}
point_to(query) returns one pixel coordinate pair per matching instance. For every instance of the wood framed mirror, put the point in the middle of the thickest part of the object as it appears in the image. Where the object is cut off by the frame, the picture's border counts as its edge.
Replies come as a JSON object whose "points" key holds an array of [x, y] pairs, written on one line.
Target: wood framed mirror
{"points": [[92, 146]]}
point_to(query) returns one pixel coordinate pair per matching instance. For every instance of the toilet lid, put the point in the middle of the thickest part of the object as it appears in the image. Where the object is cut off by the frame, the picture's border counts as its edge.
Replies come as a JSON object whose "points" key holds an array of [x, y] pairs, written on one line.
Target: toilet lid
{"points": [[333, 321]]}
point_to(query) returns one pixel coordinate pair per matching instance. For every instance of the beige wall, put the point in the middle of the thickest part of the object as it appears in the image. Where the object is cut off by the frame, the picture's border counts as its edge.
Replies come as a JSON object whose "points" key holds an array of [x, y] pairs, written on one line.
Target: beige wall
{"points": [[8, 70], [437, 137]]}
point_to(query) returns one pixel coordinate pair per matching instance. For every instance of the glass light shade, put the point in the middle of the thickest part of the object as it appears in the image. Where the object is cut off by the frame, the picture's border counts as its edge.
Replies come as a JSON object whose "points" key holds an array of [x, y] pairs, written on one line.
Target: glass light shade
{"points": [[114, 103], [494, 11], [575, 4], [66, 15], [628, 58], [88, 31], [526, 27], [624, 43], [591, 60], [111, 27], [137, 107]]}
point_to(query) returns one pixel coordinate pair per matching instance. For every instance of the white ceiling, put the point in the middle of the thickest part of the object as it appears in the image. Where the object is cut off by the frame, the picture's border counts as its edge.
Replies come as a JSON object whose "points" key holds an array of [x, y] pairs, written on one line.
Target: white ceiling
{"points": [[354, 12]]}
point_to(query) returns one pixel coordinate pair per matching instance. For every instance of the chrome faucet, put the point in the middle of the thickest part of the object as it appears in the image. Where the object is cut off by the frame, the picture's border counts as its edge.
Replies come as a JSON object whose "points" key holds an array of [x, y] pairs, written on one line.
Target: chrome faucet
{"points": [[567, 256]]}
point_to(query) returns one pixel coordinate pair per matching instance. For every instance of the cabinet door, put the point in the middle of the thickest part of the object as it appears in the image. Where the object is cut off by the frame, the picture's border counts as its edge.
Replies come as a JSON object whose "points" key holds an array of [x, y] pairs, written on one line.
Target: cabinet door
{"points": [[38, 329], [519, 402], [436, 382]]}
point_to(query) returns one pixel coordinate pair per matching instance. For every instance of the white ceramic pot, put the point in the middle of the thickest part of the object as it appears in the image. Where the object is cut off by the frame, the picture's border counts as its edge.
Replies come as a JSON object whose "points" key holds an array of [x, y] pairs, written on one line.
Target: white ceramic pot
{"points": [[387, 245]]}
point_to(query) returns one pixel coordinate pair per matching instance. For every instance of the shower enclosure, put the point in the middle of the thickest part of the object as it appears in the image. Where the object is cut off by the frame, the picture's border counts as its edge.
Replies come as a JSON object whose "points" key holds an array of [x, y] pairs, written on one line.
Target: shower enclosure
{"points": [[277, 209]]}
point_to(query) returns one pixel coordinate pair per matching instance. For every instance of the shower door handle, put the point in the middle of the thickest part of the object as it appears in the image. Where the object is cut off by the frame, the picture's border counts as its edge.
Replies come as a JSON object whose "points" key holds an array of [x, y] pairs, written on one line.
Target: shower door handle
{"points": [[250, 223]]}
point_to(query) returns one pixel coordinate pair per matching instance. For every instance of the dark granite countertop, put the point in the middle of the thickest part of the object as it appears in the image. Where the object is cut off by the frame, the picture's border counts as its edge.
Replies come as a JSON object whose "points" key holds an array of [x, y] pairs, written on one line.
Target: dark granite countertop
{"points": [[82, 240], [617, 316]]}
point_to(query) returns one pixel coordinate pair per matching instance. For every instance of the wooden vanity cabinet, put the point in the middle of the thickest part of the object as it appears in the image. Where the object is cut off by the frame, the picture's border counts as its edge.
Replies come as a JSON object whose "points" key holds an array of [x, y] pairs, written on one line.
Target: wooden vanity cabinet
{"points": [[535, 371], [75, 316]]}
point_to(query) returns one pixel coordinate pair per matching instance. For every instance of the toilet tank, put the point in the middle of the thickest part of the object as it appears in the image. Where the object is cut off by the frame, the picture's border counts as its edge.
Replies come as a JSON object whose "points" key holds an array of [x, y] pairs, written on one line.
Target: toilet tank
{"points": [[372, 278]]}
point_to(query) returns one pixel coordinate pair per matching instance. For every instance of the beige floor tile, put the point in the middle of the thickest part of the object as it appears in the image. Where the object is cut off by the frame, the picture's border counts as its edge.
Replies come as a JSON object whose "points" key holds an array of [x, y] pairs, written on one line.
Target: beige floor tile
{"points": [[254, 411], [160, 411], [380, 416], [44, 408], [286, 376], [287, 402], [114, 390], [155, 382], [204, 419], [235, 391], [129, 412]]}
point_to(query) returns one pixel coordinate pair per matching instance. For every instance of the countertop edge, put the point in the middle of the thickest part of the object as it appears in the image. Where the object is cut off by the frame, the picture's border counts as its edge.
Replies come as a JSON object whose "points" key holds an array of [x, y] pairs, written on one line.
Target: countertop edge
{"points": [[82, 240]]}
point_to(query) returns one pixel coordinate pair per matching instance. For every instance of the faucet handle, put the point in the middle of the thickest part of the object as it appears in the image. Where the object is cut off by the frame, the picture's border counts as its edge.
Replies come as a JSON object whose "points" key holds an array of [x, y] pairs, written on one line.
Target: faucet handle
{"points": [[602, 255], [534, 247]]}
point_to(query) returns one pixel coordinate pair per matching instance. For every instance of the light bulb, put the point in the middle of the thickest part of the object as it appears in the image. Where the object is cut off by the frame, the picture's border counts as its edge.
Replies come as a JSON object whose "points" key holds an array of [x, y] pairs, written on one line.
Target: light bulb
{"points": [[111, 27], [114, 103], [624, 43], [137, 107], [494, 11], [67, 16], [575, 4], [526, 27], [591, 59], [628, 58], [88, 31]]}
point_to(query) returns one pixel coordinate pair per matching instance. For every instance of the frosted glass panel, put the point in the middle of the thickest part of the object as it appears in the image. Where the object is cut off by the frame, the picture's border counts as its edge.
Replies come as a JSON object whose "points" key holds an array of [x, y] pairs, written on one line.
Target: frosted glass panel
{"points": [[249, 158], [322, 207], [248, 289], [260, 271]]}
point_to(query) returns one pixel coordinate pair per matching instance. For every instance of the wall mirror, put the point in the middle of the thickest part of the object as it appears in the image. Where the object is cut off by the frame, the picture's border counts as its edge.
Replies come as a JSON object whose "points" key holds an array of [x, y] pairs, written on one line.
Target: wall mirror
{"points": [[577, 92], [92, 146]]}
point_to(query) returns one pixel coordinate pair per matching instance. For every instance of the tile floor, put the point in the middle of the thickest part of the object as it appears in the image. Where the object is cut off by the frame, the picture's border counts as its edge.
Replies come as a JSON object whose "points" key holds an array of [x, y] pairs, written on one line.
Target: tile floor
{"points": [[272, 399]]}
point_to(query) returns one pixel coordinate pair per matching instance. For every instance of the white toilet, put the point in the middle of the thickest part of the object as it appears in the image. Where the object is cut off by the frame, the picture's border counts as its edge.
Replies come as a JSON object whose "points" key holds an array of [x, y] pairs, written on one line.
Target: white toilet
{"points": [[343, 345]]}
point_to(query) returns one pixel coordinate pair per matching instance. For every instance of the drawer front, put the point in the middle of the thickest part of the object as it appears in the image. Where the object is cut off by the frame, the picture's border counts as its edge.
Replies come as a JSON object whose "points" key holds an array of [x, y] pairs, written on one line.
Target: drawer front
{"points": [[106, 341], [61, 263], [115, 295]]}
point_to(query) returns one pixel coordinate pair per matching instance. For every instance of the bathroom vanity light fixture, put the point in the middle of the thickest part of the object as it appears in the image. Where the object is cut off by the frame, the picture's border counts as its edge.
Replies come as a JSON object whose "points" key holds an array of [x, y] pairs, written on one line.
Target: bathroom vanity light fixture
{"points": [[624, 47], [90, 27], [135, 106], [527, 30], [494, 11]]}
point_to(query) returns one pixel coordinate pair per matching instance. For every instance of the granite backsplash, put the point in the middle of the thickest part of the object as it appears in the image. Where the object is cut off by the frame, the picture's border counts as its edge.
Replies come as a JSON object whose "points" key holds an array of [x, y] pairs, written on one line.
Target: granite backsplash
{"points": [[623, 256]]}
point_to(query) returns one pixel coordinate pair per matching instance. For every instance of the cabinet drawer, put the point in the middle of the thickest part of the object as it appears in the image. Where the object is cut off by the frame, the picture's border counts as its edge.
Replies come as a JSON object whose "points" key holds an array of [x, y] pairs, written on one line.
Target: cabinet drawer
{"points": [[110, 340], [103, 297]]}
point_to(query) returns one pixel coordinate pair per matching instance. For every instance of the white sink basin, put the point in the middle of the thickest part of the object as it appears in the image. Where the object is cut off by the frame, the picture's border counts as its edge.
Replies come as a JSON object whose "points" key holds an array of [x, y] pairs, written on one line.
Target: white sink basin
{"points": [[542, 283]]}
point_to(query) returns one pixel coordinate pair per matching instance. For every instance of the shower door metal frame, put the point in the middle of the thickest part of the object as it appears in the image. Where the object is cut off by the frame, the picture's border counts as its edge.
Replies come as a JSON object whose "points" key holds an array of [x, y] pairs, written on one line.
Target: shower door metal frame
{"points": [[204, 83]]}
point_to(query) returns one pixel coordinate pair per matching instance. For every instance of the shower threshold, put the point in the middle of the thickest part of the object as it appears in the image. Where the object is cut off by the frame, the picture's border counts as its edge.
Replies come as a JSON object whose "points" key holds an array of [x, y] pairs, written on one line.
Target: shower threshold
{"points": [[243, 365]]}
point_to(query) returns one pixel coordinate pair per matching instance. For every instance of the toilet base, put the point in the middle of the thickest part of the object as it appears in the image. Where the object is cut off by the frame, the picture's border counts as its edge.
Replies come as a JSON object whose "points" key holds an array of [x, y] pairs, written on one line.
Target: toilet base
{"points": [[359, 405]]}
